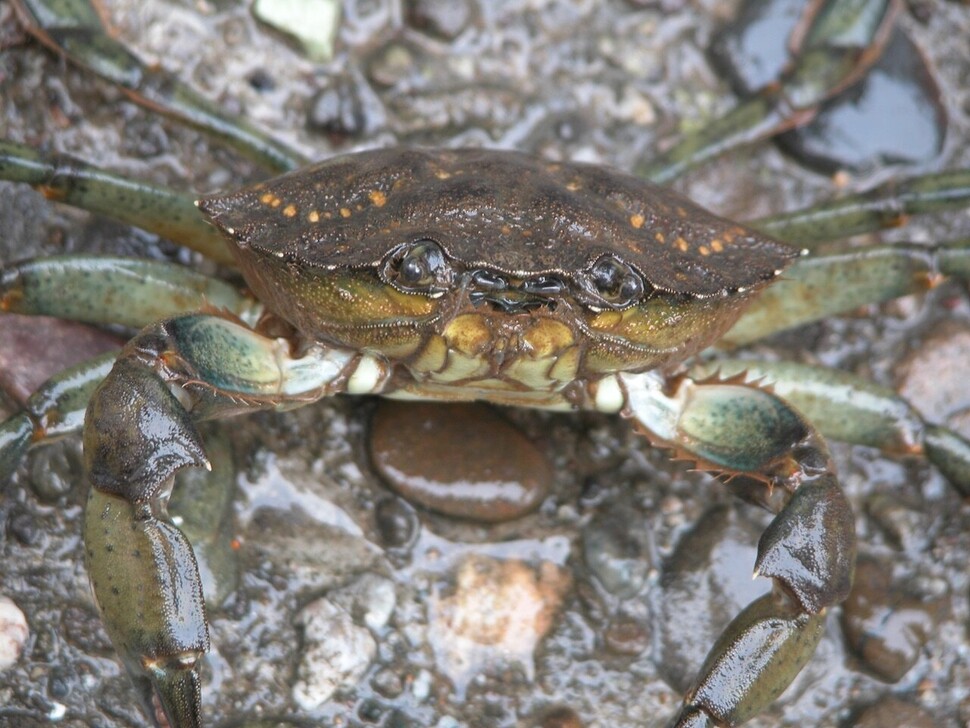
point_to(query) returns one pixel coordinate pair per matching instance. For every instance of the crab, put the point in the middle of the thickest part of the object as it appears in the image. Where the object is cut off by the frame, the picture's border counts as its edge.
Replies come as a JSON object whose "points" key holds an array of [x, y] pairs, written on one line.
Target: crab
{"points": [[523, 282]]}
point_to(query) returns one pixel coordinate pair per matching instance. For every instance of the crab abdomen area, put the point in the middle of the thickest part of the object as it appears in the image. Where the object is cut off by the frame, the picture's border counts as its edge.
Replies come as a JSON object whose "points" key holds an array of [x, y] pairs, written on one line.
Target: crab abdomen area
{"points": [[545, 352], [449, 340]]}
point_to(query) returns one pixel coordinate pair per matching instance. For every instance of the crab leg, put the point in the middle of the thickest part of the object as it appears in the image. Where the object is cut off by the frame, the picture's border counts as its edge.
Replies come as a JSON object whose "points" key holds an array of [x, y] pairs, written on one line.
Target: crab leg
{"points": [[817, 286], [87, 288], [770, 455], [74, 29], [160, 210], [853, 409], [56, 409], [173, 215], [885, 206], [837, 45], [138, 433]]}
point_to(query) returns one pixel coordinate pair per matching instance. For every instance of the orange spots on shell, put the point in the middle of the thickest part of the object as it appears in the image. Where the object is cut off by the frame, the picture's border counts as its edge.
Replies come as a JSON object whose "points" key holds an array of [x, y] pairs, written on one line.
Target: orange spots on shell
{"points": [[377, 198], [313, 216], [682, 245], [716, 245], [345, 212], [681, 212], [659, 237], [442, 174], [276, 202], [637, 220], [573, 185], [290, 210], [506, 230], [268, 198], [704, 250]]}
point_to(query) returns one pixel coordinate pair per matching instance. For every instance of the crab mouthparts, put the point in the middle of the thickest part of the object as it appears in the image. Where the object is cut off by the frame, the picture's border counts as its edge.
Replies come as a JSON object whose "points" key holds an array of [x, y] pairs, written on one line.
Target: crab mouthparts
{"points": [[512, 295]]}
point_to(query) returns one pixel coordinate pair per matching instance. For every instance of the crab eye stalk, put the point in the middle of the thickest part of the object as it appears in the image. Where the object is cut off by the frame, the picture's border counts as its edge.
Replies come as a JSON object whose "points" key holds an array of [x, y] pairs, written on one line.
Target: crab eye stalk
{"points": [[418, 267], [611, 283]]}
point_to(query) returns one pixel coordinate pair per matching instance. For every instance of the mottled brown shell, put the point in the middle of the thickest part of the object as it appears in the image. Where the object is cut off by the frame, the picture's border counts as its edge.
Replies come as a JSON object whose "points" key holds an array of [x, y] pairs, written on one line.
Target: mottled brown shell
{"points": [[506, 211]]}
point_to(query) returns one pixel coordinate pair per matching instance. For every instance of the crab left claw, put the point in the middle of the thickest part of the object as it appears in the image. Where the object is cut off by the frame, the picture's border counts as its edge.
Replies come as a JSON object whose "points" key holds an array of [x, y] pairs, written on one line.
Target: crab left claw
{"points": [[770, 455]]}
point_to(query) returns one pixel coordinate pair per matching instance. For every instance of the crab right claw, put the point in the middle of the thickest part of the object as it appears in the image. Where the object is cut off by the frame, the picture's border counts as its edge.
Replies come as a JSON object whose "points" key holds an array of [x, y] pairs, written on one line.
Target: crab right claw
{"points": [[769, 455], [138, 433], [142, 569], [151, 602]]}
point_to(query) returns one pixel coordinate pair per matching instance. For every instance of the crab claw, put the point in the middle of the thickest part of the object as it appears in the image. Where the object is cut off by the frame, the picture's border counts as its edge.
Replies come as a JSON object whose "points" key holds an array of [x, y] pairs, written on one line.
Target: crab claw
{"points": [[139, 432], [771, 456], [810, 546], [180, 693], [175, 690], [752, 662], [146, 581], [142, 568]]}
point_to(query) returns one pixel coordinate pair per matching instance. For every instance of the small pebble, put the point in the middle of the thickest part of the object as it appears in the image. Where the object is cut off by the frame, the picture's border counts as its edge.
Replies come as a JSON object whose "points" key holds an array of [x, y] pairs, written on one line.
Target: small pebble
{"points": [[560, 717], [496, 614], [25, 528], [885, 626], [371, 711], [313, 23], [37, 347], [390, 64], [397, 522], [421, 685], [370, 598], [444, 19], [933, 376], [625, 636], [338, 110], [891, 711], [336, 653], [462, 460], [13, 633], [900, 519], [615, 553], [387, 683]]}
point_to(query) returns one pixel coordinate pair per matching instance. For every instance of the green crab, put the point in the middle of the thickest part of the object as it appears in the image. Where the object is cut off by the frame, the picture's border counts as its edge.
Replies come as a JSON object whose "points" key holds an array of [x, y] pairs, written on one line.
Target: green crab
{"points": [[466, 274]]}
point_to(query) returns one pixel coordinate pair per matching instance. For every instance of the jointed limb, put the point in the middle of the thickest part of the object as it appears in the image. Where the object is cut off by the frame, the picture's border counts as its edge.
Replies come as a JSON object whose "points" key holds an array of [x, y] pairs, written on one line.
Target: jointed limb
{"points": [[769, 454], [139, 432], [853, 409]]}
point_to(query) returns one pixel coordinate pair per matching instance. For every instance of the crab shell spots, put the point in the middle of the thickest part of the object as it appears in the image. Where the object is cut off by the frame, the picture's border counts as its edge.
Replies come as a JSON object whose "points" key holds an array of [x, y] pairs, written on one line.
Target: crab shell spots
{"points": [[506, 211]]}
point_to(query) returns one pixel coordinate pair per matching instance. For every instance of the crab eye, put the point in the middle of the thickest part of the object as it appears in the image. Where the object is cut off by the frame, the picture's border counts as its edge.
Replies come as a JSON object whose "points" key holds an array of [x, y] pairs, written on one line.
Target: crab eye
{"points": [[419, 267], [615, 282]]}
